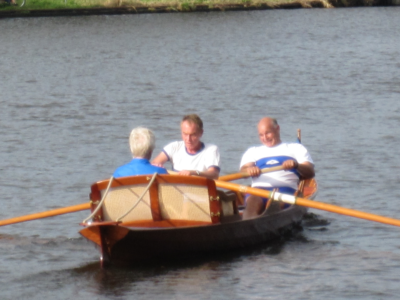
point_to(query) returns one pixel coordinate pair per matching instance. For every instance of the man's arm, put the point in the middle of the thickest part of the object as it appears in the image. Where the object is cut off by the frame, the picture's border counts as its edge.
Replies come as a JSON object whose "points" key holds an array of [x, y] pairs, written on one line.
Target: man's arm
{"points": [[305, 169], [160, 160], [211, 173], [251, 169]]}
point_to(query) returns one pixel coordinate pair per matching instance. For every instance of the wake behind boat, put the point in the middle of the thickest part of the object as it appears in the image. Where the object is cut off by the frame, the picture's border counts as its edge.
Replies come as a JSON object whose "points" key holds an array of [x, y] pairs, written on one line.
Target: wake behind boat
{"points": [[160, 217]]}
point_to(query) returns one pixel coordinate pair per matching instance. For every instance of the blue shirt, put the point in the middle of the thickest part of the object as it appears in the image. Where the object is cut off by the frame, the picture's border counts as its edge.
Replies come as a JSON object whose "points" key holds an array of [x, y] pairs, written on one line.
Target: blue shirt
{"points": [[138, 166]]}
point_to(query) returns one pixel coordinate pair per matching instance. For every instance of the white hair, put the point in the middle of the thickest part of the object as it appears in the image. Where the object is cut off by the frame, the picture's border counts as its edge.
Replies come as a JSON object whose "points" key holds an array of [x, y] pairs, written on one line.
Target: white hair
{"points": [[142, 142]]}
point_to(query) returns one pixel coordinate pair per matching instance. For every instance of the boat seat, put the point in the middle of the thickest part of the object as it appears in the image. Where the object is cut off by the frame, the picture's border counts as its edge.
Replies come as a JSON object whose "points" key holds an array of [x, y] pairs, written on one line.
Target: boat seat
{"points": [[120, 199], [184, 202], [170, 197]]}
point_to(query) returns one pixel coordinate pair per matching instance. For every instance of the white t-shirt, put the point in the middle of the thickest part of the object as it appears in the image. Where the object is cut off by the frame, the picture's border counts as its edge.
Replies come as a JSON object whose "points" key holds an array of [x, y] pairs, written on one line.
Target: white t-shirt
{"points": [[266, 157], [180, 159]]}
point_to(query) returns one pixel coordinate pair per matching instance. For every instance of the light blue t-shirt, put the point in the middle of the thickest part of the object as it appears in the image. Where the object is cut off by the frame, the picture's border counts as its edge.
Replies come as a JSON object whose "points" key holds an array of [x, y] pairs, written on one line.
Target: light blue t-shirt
{"points": [[138, 166]]}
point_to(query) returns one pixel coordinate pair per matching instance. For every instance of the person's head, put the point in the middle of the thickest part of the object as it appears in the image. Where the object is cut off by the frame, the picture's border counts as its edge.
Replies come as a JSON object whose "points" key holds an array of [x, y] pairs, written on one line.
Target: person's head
{"points": [[142, 142], [192, 131], [269, 132]]}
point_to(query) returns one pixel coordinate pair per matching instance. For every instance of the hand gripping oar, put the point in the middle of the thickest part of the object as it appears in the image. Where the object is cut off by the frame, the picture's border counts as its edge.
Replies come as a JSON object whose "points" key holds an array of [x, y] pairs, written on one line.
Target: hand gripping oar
{"points": [[307, 203], [46, 214], [245, 174]]}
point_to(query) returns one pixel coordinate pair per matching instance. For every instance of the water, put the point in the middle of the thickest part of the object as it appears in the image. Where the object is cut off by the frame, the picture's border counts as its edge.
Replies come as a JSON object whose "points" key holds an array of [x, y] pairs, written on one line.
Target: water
{"points": [[72, 89]]}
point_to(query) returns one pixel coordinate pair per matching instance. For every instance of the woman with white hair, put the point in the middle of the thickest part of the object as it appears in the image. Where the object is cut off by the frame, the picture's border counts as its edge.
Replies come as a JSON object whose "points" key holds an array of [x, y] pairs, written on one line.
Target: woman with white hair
{"points": [[142, 144]]}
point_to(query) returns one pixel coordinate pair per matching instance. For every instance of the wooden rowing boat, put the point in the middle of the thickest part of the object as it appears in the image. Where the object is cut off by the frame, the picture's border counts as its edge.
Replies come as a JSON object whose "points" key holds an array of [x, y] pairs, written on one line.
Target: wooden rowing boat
{"points": [[142, 218]]}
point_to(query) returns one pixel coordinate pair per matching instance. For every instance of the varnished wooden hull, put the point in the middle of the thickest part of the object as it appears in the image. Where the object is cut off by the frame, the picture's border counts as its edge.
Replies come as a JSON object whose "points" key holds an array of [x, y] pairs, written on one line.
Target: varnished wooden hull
{"points": [[122, 245], [128, 243]]}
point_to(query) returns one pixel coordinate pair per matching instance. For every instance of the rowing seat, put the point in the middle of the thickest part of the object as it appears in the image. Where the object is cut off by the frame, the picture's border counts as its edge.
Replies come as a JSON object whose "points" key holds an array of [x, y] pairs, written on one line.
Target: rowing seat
{"points": [[171, 199]]}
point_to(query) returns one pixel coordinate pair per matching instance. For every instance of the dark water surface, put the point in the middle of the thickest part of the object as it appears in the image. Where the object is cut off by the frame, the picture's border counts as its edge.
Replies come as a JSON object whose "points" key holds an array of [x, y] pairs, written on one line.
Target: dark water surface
{"points": [[72, 89]]}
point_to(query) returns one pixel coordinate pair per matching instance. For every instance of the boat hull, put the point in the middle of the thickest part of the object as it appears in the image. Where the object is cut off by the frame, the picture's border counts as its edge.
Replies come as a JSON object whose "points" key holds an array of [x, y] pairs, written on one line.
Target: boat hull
{"points": [[188, 222], [122, 245]]}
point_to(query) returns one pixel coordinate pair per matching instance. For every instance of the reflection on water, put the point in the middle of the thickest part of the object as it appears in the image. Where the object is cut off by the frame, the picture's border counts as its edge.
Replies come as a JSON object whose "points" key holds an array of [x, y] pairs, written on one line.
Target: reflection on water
{"points": [[119, 282]]}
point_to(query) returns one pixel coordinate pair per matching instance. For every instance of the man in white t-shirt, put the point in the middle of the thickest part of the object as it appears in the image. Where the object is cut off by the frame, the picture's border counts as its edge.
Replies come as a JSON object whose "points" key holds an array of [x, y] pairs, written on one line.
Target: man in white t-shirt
{"points": [[293, 157], [191, 156]]}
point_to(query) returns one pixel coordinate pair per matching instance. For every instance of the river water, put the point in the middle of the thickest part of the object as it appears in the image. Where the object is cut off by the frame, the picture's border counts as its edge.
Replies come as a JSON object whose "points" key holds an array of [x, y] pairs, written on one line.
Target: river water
{"points": [[72, 88]]}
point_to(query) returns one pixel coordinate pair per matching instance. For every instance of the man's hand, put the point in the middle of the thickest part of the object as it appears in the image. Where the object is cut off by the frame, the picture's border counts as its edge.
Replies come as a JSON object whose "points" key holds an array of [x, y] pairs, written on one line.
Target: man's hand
{"points": [[290, 164], [211, 173], [185, 173], [253, 171]]}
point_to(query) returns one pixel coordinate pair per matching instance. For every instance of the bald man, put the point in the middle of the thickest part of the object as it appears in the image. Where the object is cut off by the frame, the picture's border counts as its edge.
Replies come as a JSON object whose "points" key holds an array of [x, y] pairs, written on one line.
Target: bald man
{"points": [[293, 157]]}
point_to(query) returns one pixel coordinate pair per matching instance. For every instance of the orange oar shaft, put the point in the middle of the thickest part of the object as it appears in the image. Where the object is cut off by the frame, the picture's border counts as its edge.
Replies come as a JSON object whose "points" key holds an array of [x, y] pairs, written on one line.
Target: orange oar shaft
{"points": [[245, 174], [46, 214], [235, 176], [346, 211], [308, 203]]}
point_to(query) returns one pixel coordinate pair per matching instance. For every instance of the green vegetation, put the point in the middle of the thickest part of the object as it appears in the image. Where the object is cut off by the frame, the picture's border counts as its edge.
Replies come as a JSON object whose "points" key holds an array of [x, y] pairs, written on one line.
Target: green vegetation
{"points": [[152, 5], [60, 7], [54, 4]]}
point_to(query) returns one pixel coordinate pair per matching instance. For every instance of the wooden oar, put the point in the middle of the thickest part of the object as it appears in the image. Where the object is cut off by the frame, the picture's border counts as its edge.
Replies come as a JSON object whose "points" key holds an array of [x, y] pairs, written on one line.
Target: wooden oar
{"points": [[46, 214], [245, 174], [239, 175], [307, 203]]}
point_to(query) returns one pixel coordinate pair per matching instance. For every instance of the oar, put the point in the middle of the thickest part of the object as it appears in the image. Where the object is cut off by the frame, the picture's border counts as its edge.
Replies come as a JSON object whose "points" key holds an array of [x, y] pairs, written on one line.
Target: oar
{"points": [[245, 174], [239, 175], [46, 214], [307, 203]]}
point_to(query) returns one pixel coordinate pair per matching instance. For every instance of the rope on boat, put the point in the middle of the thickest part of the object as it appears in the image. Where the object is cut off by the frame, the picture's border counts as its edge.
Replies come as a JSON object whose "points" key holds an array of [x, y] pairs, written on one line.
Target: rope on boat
{"points": [[140, 198], [101, 202]]}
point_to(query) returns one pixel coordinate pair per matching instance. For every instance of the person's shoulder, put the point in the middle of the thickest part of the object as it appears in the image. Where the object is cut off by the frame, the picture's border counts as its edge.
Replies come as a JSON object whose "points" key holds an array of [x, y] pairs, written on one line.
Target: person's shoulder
{"points": [[117, 171], [296, 147], [210, 146], [174, 144], [121, 170], [160, 170], [252, 150]]}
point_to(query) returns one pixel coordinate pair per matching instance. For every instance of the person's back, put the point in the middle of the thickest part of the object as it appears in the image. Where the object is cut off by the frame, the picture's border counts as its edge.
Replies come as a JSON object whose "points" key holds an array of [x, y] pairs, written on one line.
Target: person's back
{"points": [[138, 166], [142, 143]]}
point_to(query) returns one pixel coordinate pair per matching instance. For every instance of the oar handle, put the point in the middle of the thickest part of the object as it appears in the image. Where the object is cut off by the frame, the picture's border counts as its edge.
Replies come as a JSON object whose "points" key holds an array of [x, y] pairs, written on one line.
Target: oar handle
{"points": [[240, 175], [46, 214]]}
